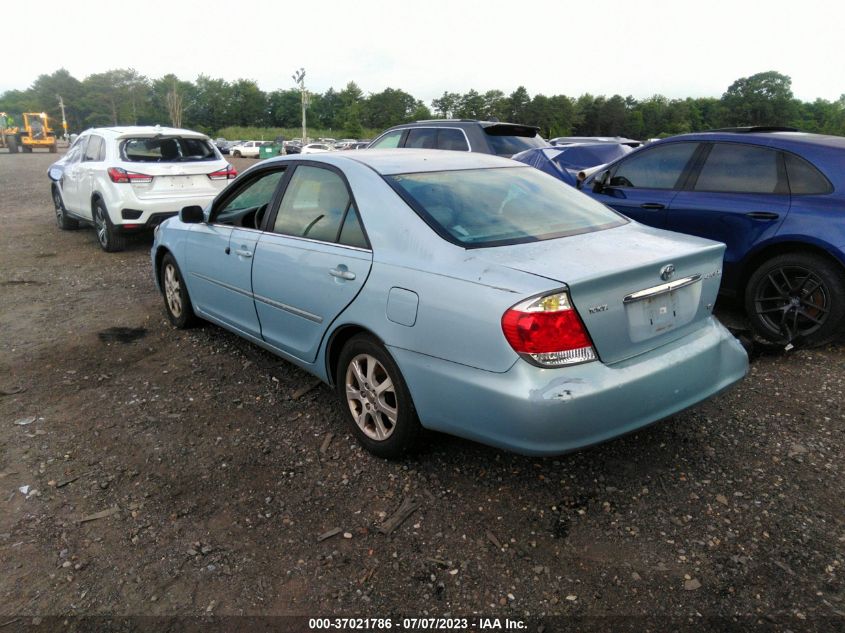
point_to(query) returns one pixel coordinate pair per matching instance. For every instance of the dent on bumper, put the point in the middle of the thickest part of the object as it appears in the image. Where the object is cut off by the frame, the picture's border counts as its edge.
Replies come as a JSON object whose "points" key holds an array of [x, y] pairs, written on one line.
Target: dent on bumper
{"points": [[552, 411]]}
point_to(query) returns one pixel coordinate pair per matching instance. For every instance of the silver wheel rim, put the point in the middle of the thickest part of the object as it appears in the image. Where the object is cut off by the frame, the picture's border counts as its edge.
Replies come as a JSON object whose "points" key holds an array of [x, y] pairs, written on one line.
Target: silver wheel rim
{"points": [[57, 202], [371, 396], [172, 289], [100, 223]]}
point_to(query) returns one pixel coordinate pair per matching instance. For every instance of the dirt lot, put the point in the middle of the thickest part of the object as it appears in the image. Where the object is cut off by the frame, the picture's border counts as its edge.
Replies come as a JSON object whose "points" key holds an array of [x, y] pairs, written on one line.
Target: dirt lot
{"points": [[214, 460]]}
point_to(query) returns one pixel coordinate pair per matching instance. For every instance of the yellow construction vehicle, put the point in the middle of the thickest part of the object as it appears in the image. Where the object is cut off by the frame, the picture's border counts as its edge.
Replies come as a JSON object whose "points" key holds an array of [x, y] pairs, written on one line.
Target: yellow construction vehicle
{"points": [[35, 132]]}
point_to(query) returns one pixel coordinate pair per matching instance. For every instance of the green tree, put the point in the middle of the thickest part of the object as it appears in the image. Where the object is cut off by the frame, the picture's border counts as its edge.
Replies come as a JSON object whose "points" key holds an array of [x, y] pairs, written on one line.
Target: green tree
{"points": [[761, 99], [447, 105], [387, 108]]}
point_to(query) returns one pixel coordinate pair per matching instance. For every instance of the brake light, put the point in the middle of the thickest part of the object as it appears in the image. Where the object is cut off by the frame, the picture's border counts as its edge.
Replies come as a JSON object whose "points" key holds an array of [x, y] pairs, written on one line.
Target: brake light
{"points": [[118, 174], [549, 331], [228, 173]]}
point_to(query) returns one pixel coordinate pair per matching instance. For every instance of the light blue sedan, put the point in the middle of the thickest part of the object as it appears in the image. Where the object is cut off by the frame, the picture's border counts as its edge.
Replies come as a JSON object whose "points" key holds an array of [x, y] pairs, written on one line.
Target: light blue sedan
{"points": [[459, 292]]}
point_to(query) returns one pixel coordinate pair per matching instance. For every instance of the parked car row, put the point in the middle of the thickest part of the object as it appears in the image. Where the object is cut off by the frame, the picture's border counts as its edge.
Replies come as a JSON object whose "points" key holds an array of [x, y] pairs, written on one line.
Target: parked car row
{"points": [[467, 293]]}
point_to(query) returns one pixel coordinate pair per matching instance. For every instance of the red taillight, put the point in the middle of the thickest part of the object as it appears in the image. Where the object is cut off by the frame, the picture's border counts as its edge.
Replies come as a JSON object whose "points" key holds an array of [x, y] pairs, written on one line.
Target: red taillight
{"points": [[549, 331], [118, 174], [227, 173]]}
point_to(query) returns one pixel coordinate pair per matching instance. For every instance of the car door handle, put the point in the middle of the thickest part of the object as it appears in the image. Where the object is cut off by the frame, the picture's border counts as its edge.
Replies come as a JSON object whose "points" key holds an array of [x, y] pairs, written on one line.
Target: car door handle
{"points": [[762, 215], [242, 252], [342, 273], [655, 206]]}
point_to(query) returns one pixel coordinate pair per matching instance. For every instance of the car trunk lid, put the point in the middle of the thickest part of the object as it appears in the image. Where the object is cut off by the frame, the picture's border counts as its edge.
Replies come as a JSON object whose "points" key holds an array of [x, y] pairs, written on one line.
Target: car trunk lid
{"points": [[177, 180], [620, 282]]}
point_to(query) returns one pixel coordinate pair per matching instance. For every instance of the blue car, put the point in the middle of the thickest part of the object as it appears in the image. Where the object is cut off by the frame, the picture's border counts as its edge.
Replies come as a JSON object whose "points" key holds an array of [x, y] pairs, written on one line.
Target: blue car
{"points": [[775, 197], [455, 291], [566, 162]]}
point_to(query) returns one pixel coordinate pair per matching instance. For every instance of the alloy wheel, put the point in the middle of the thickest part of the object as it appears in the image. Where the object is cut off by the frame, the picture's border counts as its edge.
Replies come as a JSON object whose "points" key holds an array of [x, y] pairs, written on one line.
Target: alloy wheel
{"points": [[101, 226], [172, 290], [792, 300], [371, 396]]}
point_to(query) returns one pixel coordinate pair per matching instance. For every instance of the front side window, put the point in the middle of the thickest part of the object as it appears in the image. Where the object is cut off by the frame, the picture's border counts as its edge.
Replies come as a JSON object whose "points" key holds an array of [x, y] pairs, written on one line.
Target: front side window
{"points": [[171, 149], [314, 205], [389, 140], [658, 167], [735, 168], [248, 206], [503, 205]]}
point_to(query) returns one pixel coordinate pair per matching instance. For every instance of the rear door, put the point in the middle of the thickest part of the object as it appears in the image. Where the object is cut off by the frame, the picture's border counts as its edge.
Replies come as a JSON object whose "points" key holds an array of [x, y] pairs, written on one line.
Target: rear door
{"points": [[643, 185], [219, 253], [312, 262], [739, 196]]}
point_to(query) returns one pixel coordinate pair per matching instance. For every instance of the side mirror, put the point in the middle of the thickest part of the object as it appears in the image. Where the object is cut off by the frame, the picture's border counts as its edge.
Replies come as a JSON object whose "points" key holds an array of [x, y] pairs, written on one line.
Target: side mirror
{"points": [[192, 214], [55, 173], [600, 181]]}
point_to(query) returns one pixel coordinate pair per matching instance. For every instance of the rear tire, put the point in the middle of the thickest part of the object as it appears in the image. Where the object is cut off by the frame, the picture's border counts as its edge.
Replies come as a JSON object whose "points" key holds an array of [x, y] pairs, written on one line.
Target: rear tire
{"points": [[375, 399], [177, 302], [110, 240], [53, 149], [64, 222], [797, 298], [236, 154], [27, 149]]}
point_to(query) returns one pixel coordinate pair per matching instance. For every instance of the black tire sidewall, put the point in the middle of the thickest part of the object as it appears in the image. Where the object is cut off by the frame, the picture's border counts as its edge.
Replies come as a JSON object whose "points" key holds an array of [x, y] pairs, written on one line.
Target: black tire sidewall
{"points": [[187, 318], [834, 281], [407, 429], [62, 220]]}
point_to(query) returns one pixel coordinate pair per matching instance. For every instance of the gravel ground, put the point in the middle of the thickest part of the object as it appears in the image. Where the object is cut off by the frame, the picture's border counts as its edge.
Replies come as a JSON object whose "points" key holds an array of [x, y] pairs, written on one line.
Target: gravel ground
{"points": [[192, 473]]}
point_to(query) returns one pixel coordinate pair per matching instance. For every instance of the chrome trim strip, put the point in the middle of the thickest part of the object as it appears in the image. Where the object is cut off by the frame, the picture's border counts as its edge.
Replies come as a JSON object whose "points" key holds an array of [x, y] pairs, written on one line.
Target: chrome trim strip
{"points": [[648, 293], [275, 304], [240, 291], [295, 311], [292, 237]]}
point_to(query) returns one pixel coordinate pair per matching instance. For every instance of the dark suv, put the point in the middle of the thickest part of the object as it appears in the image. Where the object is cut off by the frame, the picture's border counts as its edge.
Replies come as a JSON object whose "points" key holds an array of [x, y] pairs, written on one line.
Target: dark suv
{"points": [[462, 135], [774, 196]]}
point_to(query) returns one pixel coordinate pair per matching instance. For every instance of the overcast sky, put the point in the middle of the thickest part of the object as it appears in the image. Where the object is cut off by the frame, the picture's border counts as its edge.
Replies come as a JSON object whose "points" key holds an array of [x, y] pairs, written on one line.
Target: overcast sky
{"points": [[631, 47]]}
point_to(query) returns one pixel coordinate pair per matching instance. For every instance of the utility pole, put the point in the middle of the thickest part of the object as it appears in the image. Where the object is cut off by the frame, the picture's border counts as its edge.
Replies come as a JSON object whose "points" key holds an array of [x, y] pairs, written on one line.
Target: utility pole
{"points": [[299, 77], [64, 120]]}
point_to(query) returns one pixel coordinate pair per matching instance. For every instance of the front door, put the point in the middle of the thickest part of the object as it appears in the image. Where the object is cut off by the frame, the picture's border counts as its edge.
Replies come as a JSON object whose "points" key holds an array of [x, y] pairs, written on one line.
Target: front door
{"points": [[643, 185], [219, 253], [311, 263]]}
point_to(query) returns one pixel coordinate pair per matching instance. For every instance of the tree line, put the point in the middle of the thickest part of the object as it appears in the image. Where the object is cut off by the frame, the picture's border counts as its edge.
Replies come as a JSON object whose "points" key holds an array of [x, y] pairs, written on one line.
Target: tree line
{"points": [[125, 97]]}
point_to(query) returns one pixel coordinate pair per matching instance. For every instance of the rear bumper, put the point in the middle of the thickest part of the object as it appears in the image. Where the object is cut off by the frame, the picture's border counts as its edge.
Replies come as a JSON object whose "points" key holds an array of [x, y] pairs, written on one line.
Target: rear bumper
{"points": [[552, 411]]}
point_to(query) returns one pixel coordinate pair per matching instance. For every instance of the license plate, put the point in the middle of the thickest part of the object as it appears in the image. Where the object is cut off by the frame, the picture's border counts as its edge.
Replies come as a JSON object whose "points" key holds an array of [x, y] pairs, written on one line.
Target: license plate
{"points": [[650, 317]]}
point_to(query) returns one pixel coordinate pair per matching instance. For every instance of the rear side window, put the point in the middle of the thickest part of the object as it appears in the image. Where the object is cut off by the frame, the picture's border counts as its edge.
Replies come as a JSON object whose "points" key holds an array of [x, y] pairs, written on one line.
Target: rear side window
{"points": [[422, 138], [804, 178], [96, 149], [734, 168], [389, 140], [504, 205], [658, 167], [171, 149]]}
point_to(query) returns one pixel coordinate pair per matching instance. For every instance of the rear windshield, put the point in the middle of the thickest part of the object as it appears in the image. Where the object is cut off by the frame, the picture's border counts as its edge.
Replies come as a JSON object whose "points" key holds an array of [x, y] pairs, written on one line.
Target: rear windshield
{"points": [[171, 149], [502, 205], [507, 140]]}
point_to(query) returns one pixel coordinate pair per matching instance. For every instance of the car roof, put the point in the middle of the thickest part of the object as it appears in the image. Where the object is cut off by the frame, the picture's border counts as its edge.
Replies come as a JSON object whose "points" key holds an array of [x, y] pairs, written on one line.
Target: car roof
{"points": [[461, 123], [774, 138], [405, 161], [123, 131]]}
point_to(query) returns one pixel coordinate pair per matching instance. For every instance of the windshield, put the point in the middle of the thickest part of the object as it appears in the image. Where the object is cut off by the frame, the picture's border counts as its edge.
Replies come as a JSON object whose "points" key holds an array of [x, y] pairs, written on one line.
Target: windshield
{"points": [[503, 205], [171, 149]]}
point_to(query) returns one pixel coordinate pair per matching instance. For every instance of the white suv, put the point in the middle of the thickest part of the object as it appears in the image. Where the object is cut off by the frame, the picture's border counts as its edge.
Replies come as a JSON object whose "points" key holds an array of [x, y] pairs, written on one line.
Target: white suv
{"points": [[127, 179], [248, 149]]}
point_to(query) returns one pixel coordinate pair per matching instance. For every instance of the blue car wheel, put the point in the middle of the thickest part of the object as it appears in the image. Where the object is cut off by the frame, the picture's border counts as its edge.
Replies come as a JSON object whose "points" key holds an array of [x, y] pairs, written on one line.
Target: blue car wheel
{"points": [[796, 297]]}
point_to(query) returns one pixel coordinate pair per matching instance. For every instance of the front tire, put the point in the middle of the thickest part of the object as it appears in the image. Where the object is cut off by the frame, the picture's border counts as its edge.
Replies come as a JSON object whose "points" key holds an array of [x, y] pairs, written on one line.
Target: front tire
{"points": [[110, 240], [177, 302], [797, 298], [375, 399], [63, 220]]}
